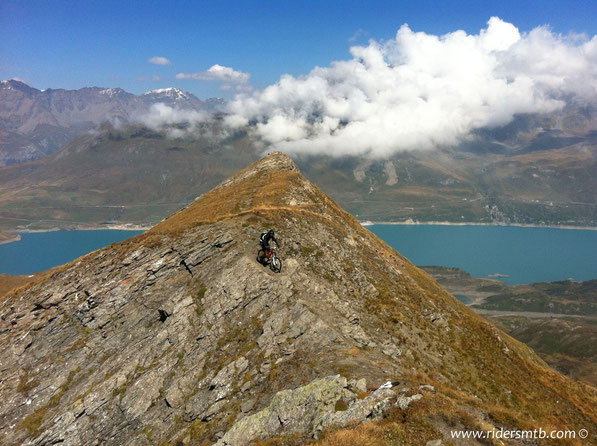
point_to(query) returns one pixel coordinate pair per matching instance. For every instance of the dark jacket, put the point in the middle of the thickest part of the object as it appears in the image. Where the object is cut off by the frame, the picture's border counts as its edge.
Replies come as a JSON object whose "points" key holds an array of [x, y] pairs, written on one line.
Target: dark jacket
{"points": [[265, 240]]}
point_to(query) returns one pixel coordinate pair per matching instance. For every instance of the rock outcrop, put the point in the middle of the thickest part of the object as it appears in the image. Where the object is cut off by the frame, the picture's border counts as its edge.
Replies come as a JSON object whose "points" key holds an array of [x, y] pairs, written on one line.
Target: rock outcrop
{"points": [[312, 408], [180, 336]]}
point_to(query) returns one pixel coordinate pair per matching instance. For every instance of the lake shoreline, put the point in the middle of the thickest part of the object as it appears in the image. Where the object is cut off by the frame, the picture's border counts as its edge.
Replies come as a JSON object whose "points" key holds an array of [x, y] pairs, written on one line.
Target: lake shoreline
{"points": [[16, 238], [448, 223], [120, 227], [115, 227]]}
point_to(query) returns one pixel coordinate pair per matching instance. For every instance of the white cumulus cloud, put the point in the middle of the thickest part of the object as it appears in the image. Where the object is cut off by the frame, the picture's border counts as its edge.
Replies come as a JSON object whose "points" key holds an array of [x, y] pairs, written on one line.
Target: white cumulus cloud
{"points": [[417, 90], [157, 60], [228, 77]]}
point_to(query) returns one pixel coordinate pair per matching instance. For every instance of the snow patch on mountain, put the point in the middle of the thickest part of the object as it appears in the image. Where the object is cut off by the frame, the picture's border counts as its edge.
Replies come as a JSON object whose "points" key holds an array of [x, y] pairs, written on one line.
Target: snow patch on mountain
{"points": [[171, 92]]}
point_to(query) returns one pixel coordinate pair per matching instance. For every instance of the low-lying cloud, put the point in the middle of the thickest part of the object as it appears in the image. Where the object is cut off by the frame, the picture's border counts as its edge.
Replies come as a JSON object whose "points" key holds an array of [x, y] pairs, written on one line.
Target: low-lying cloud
{"points": [[177, 123], [419, 91]]}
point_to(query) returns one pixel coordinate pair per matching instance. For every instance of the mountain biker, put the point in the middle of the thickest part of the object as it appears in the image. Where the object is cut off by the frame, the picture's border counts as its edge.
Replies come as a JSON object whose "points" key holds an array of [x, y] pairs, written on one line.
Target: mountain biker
{"points": [[267, 254], [266, 238]]}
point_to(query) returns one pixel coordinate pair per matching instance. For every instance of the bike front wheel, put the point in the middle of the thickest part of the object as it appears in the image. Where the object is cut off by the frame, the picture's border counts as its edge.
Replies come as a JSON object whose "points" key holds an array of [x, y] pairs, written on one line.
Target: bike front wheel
{"points": [[276, 264]]}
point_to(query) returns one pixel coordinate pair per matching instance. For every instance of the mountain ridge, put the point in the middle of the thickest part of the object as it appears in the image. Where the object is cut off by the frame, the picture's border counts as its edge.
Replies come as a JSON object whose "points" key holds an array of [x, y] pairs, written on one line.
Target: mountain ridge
{"points": [[36, 123], [87, 354]]}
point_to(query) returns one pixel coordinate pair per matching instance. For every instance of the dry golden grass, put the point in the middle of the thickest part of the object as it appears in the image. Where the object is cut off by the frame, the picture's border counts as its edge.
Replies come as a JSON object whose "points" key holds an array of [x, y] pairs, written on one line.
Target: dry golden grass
{"points": [[262, 193], [11, 285], [432, 418], [7, 282], [365, 434]]}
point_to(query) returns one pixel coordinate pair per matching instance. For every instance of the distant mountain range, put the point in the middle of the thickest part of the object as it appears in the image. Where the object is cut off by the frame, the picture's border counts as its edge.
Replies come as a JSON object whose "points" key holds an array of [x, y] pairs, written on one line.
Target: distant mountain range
{"points": [[36, 123], [133, 174], [539, 169]]}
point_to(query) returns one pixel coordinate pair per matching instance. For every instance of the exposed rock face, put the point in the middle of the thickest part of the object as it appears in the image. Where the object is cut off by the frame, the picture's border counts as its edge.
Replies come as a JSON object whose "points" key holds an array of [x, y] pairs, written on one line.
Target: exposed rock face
{"points": [[310, 409], [180, 335]]}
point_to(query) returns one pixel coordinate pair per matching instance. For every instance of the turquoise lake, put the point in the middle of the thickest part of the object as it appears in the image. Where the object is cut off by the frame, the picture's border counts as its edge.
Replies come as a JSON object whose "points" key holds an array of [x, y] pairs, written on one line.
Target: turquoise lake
{"points": [[42, 250], [525, 255]]}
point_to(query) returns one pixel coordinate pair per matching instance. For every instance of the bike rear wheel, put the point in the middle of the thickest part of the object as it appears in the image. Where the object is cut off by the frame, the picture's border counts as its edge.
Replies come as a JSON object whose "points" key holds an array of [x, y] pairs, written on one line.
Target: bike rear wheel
{"points": [[261, 257]]}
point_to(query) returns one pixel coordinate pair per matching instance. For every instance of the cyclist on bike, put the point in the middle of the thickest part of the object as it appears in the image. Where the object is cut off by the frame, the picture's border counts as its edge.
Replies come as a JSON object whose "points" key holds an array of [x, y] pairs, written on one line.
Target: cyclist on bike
{"points": [[267, 254], [266, 238]]}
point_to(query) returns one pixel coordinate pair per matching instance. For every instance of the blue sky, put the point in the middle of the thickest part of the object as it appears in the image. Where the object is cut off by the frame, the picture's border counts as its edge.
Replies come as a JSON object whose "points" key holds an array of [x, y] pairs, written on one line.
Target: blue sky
{"points": [[72, 44]]}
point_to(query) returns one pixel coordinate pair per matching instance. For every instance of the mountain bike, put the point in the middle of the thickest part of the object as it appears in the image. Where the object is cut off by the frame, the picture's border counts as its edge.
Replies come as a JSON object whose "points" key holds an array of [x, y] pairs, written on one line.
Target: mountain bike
{"points": [[269, 257]]}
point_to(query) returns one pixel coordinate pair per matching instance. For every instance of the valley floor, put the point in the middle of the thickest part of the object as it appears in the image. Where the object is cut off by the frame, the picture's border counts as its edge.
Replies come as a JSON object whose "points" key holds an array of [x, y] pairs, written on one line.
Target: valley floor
{"points": [[565, 338]]}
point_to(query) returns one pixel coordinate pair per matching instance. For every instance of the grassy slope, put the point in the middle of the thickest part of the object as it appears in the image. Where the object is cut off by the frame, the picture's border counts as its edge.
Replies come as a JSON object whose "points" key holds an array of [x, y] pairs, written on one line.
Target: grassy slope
{"points": [[552, 187], [567, 344], [8, 283], [426, 189], [546, 186]]}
